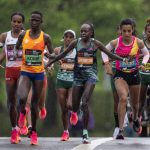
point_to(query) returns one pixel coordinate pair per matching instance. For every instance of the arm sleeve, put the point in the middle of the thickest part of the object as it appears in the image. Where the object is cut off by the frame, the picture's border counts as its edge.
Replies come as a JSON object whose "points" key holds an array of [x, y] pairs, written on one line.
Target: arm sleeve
{"points": [[105, 57], [145, 51]]}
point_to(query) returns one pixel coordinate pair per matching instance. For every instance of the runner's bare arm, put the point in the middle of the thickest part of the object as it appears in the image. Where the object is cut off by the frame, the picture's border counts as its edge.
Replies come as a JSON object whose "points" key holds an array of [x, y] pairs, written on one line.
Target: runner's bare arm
{"points": [[48, 43], [2, 42], [101, 47], [20, 39], [2, 39], [145, 53], [2, 55], [63, 54]]}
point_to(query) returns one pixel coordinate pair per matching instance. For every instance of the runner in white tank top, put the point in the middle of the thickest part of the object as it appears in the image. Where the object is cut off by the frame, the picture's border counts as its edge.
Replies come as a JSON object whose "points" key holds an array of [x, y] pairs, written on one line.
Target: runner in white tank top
{"points": [[12, 71]]}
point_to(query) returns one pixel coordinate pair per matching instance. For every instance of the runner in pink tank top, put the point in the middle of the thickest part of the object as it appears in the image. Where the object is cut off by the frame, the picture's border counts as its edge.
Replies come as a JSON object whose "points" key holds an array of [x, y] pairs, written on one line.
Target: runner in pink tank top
{"points": [[125, 51], [126, 77]]}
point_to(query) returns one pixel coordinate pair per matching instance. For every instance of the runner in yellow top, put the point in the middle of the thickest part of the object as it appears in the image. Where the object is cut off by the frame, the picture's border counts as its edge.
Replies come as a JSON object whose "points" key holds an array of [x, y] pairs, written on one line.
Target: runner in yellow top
{"points": [[33, 43]]}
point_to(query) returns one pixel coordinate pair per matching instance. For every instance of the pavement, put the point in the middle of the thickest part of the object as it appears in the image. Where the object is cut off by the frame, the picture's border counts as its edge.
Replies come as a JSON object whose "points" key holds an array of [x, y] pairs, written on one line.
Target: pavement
{"points": [[98, 143]]}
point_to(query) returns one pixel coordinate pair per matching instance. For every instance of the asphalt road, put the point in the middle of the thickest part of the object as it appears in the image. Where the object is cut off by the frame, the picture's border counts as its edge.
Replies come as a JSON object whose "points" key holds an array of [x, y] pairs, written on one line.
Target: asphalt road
{"points": [[75, 144]]}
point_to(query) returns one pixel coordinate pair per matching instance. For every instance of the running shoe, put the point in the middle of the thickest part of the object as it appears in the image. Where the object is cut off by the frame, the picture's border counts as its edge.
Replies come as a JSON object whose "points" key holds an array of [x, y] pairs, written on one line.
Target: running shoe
{"points": [[24, 130], [73, 118], [18, 130], [65, 136], [29, 131], [116, 131], [85, 139], [33, 138], [14, 137], [42, 113], [22, 120], [137, 127], [19, 138], [120, 135]]}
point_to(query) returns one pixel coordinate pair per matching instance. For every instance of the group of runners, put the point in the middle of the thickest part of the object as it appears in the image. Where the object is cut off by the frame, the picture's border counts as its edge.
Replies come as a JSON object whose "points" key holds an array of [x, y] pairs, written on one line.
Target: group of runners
{"points": [[29, 52]]}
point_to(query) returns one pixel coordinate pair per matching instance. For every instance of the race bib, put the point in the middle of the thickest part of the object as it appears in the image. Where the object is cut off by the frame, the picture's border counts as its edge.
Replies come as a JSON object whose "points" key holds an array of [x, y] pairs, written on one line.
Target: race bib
{"points": [[67, 66], [85, 60], [33, 57], [10, 53], [147, 66], [128, 66]]}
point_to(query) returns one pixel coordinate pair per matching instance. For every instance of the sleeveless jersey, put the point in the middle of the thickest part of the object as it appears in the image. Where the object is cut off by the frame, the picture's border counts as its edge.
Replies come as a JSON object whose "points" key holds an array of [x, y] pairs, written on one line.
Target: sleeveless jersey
{"points": [[125, 51], [33, 53], [147, 67], [86, 57], [66, 69], [113, 63], [10, 43], [86, 62]]}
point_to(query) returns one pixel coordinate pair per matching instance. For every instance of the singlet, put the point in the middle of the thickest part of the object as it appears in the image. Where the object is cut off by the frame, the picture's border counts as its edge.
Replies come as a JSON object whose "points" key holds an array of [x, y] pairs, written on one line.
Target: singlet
{"points": [[10, 43], [113, 63], [147, 67], [125, 51], [66, 69], [33, 53], [86, 57]]}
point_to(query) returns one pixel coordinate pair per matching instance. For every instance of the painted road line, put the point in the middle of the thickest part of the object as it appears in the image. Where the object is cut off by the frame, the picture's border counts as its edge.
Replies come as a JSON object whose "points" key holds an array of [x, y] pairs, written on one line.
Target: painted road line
{"points": [[92, 145]]}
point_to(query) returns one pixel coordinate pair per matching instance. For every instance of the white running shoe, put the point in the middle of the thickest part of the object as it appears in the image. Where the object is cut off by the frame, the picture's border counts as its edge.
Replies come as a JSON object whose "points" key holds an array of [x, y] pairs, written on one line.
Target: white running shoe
{"points": [[116, 131]]}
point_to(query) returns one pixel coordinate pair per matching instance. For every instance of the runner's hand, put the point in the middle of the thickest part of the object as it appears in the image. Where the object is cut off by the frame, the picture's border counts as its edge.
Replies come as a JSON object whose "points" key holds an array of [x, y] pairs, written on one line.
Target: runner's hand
{"points": [[142, 67], [131, 58], [50, 69], [108, 68], [2, 67], [126, 60]]}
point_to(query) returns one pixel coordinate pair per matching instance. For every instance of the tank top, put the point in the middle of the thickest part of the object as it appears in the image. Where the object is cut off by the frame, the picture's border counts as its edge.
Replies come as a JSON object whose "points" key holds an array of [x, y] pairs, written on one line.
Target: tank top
{"points": [[33, 53], [10, 43], [66, 69], [86, 56], [125, 51], [147, 67]]}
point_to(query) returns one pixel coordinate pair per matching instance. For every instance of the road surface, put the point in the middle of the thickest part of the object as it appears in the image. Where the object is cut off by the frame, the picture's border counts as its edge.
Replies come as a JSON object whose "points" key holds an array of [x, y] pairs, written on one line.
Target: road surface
{"points": [[75, 144]]}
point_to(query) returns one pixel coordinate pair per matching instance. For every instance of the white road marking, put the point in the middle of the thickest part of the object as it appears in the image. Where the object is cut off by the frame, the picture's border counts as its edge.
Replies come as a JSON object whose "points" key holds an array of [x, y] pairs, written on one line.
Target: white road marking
{"points": [[92, 145]]}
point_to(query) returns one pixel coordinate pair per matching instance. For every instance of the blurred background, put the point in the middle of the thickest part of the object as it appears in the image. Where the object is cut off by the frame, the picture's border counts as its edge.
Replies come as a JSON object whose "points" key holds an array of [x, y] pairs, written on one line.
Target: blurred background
{"points": [[59, 15]]}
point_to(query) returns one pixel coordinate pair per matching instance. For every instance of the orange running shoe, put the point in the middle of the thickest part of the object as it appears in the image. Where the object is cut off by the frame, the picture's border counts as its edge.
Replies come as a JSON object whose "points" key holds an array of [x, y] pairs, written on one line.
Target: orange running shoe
{"points": [[33, 138], [73, 118], [42, 113], [65, 136], [14, 137], [22, 120], [24, 130]]}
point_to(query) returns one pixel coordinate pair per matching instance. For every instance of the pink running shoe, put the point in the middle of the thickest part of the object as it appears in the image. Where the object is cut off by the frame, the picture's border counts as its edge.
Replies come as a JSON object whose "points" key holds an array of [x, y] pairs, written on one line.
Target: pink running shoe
{"points": [[19, 138], [14, 139], [24, 130], [42, 113], [65, 136], [33, 138], [22, 120], [73, 118]]}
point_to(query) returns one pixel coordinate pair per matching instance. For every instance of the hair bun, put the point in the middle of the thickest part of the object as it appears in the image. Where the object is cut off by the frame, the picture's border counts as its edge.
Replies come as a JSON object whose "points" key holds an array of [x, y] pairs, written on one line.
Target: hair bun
{"points": [[148, 20]]}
